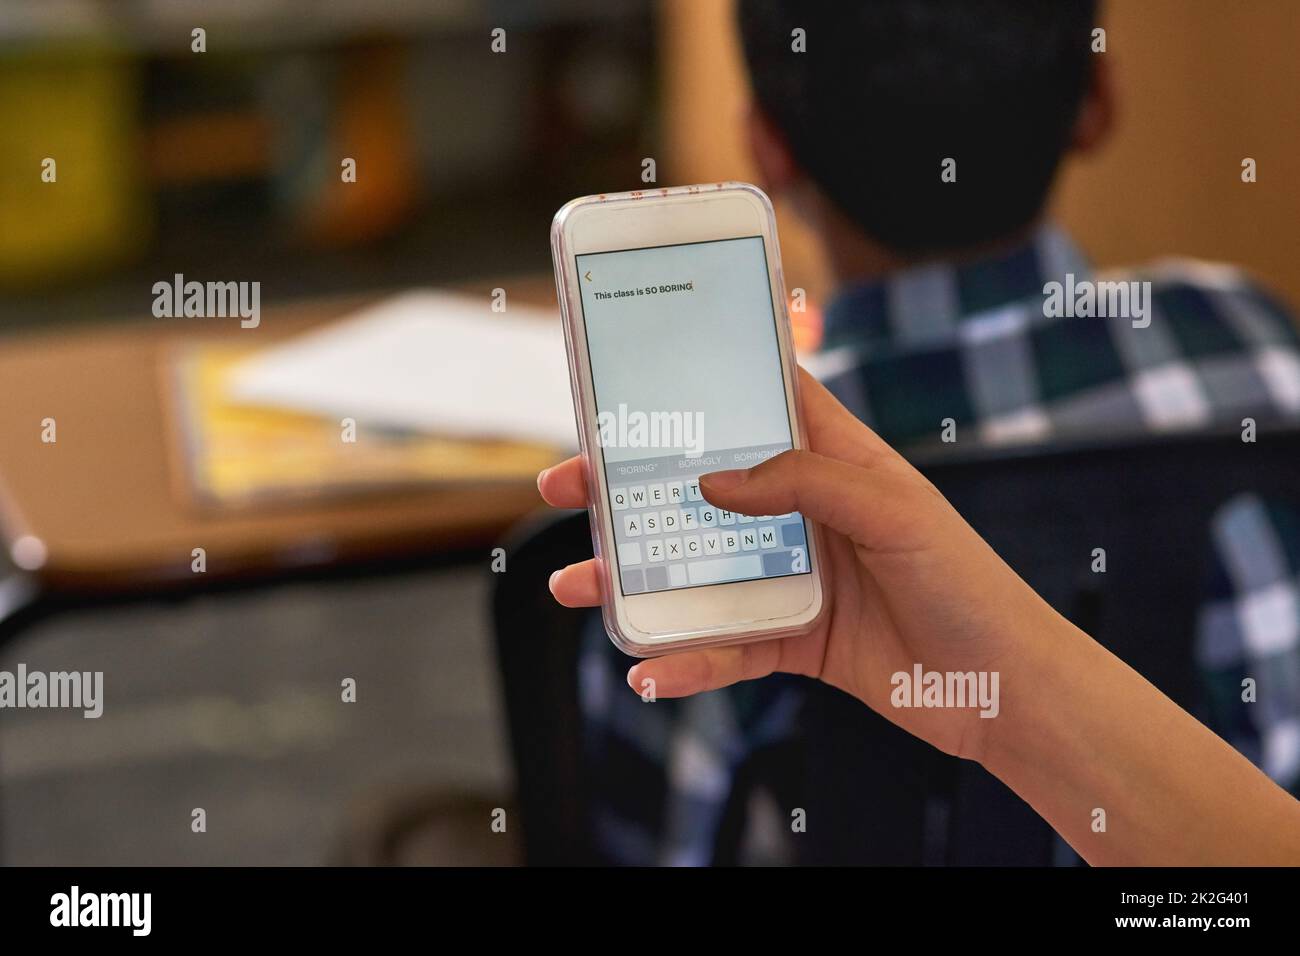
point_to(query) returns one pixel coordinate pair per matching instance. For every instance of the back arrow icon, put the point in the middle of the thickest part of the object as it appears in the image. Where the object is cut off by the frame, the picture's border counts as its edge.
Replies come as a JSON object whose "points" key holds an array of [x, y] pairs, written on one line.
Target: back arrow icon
{"points": [[587, 277]]}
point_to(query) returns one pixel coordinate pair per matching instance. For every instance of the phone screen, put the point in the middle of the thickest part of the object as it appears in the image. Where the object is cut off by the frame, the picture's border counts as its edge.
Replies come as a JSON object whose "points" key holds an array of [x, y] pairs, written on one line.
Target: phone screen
{"points": [[687, 374]]}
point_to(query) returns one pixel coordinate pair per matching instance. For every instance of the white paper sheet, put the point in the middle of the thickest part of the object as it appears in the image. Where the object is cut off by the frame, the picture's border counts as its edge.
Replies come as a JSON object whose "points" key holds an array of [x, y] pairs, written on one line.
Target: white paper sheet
{"points": [[428, 361]]}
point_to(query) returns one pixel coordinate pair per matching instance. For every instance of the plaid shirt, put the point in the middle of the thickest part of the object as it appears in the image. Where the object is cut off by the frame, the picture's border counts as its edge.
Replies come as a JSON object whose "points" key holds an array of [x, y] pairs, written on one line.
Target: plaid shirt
{"points": [[972, 343]]}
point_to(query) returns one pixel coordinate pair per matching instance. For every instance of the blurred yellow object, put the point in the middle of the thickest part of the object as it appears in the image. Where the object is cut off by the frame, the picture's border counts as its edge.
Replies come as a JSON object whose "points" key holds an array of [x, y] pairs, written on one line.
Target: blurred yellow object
{"points": [[78, 108], [240, 454]]}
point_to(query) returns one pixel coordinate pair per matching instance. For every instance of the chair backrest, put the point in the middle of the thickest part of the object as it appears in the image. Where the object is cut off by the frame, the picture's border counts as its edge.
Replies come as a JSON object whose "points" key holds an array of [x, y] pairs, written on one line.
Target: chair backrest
{"points": [[537, 654], [875, 792]]}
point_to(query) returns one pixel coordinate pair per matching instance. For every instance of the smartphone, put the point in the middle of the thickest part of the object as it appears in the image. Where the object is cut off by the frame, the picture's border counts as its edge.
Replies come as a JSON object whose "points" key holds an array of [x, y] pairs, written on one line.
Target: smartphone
{"points": [[681, 363]]}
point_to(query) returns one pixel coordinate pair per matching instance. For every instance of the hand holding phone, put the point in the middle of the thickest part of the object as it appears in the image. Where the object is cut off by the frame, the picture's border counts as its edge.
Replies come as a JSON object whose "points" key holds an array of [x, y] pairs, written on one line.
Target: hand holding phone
{"points": [[908, 580], [681, 363]]}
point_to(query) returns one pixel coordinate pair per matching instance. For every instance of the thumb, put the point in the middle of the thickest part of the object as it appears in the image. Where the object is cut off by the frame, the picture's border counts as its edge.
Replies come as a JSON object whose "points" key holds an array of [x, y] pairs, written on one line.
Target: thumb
{"points": [[872, 505]]}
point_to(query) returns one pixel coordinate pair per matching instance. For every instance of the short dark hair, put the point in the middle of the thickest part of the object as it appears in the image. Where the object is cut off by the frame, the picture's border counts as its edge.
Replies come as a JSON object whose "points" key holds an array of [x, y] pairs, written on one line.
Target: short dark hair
{"points": [[888, 89]]}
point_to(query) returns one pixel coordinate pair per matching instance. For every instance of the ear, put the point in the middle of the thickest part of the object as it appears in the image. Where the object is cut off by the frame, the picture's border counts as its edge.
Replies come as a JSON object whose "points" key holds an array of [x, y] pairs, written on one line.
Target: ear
{"points": [[1097, 111], [772, 156]]}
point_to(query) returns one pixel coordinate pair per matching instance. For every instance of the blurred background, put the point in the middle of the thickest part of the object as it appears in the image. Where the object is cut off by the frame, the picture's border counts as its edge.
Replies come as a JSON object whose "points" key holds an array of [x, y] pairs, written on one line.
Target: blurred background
{"points": [[225, 165]]}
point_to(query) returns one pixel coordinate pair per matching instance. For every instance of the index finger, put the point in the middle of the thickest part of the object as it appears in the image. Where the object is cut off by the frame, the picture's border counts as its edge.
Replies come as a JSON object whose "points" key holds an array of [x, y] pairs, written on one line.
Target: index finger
{"points": [[564, 485]]}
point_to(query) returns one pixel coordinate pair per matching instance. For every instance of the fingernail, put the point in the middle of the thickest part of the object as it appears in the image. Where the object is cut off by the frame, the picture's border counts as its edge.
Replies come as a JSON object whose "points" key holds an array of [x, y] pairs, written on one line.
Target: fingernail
{"points": [[725, 480], [551, 583], [541, 476]]}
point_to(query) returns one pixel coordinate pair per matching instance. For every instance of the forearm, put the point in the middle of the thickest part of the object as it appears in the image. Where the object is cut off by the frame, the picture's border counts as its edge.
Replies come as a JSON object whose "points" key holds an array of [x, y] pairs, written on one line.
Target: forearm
{"points": [[1082, 734]]}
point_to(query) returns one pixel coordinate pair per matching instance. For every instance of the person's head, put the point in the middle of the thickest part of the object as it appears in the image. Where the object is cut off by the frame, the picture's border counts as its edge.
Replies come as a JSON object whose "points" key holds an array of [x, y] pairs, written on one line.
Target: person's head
{"points": [[927, 127]]}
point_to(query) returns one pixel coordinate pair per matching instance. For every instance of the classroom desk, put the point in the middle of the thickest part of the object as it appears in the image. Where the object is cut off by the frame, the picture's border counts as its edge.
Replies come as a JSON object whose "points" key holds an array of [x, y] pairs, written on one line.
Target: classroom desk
{"points": [[102, 500]]}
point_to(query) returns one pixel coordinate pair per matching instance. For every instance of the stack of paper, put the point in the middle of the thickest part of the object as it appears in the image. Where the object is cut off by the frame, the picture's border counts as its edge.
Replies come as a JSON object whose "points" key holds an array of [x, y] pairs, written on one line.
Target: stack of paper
{"points": [[439, 389], [431, 361]]}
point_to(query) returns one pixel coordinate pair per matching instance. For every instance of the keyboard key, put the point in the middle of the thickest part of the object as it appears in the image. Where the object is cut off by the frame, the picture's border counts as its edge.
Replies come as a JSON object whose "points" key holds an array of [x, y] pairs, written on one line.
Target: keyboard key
{"points": [[656, 496], [749, 539], [669, 521], [691, 546], [713, 543], [778, 562], [689, 520], [725, 569], [677, 575], [676, 492], [618, 497], [636, 496], [792, 535], [654, 550], [629, 553], [746, 519], [673, 549], [730, 541], [633, 581], [650, 522], [693, 490], [726, 517], [631, 525], [767, 537], [708, 518], [656, 579]]}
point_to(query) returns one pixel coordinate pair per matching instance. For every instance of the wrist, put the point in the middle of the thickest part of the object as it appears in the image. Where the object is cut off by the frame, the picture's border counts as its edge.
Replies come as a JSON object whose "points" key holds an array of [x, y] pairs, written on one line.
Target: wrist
{"points": [[1034, 686]]}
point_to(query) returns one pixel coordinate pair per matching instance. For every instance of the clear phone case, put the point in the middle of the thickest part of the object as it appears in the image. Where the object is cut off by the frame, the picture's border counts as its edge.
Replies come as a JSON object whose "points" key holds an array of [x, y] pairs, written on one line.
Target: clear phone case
{"points": [[624, 635]]}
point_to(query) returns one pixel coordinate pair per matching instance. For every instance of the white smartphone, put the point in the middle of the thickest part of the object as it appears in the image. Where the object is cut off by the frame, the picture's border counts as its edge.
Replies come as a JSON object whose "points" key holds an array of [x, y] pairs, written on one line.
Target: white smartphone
{"points": [[681, 363]]}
